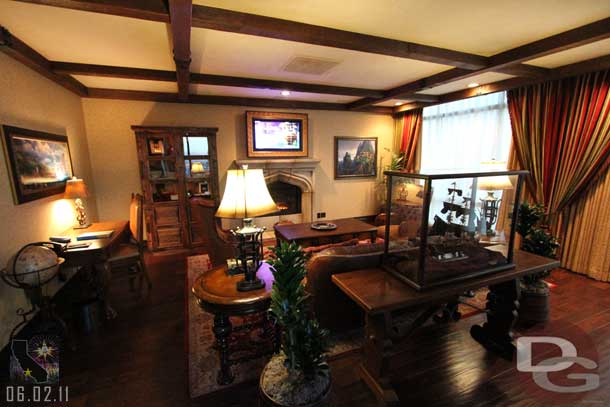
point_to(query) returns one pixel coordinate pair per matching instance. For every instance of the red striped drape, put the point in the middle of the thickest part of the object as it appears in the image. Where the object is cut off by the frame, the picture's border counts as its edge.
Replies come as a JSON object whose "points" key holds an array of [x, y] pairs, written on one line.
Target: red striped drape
{"points": [[410, 138], [561, 134]]}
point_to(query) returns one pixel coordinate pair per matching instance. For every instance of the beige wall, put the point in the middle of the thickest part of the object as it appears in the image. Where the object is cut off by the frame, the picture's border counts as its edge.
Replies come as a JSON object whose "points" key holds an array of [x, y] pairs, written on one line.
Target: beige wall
{"points": [[31, 101], [114, 159]]}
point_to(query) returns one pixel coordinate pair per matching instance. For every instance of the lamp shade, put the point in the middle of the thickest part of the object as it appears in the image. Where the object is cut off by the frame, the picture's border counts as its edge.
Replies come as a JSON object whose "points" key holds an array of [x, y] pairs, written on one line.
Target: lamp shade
{"points": [[245, 196], [494, 183], [76, 188], [197, 168]]}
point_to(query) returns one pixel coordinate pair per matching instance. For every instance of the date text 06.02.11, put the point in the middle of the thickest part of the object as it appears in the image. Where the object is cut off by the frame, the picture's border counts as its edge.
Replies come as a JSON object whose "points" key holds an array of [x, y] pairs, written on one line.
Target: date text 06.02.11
{"points": [[35, 394]]}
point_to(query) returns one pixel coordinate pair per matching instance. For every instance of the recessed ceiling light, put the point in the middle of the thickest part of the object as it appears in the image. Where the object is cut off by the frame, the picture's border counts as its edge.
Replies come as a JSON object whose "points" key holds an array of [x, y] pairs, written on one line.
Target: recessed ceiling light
{"points": [[285, 93], [473, 85], [398, 103]]}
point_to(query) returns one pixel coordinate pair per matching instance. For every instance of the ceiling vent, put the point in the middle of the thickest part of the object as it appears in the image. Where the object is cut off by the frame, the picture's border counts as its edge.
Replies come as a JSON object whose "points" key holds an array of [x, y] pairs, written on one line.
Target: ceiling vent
{"points": [[309, 65]]}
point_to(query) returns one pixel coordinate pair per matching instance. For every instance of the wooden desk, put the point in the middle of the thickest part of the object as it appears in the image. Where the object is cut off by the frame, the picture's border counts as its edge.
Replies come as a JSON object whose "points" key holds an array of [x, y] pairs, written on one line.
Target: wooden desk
{"points": [[303, 234], [93, 258], [394, 311], [100, 249], [216, 292]]}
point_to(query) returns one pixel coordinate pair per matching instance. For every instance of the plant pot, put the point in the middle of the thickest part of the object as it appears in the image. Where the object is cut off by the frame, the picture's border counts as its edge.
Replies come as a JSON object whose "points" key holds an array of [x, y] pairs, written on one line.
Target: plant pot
{"points": [[534, 304], [277, 387]]}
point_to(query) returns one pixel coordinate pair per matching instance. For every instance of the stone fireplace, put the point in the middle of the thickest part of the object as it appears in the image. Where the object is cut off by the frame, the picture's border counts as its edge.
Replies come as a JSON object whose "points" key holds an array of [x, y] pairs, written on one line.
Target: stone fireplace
{"points": [[287, 173]]}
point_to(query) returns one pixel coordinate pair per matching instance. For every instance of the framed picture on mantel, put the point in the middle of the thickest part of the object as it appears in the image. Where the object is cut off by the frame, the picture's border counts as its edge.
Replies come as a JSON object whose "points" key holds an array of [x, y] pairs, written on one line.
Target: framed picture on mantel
{"points": [[39, 163], [355, 157], [276, 135]]}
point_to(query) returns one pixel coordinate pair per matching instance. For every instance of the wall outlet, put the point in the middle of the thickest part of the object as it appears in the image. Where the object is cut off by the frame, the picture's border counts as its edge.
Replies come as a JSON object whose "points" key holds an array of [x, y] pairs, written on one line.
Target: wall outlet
{"points": [[321, 215]]}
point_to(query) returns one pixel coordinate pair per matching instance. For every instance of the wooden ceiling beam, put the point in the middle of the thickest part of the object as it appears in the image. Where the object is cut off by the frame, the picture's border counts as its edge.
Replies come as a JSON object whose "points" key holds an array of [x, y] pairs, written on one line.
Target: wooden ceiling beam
{"points": [[180, 13], [576, 37], [222, 80], [207, 79], [528, 71], [269, 27], [20, 51], [276, 28], [153, 10], [223, 100], [108, 71], [578, 68], [590, 65], [510, 60]]}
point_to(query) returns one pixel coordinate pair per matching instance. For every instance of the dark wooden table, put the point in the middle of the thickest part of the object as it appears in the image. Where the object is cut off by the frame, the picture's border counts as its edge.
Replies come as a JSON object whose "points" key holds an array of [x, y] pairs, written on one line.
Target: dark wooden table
{"points": [[93, 258], [394, 311], [216, 292], [303, 234]]}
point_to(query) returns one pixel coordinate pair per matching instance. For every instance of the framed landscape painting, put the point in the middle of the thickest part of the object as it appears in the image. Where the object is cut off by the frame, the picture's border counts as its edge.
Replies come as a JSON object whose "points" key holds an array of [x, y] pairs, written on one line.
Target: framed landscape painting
{"points": [[39, 163], [355, 157]]}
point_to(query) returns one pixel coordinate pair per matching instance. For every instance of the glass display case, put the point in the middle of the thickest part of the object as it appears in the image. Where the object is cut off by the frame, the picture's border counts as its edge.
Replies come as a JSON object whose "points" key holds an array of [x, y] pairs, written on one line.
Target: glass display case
{"points": [[443, 227]]}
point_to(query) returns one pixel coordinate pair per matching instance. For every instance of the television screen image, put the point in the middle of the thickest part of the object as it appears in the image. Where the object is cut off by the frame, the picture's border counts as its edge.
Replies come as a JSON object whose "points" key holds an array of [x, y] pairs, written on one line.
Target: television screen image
{"points": [[277, 134]]}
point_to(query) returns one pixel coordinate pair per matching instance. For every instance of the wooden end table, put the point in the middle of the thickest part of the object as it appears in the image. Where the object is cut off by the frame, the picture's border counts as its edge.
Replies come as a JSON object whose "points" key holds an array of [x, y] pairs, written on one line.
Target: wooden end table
{"points": [[216, 293], [394, 311], [303, 234]]}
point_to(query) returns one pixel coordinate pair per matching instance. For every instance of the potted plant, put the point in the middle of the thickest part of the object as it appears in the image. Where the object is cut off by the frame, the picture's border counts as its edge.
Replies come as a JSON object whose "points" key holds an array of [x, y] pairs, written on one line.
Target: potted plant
{"points": [[298, 375], [535, 238]]}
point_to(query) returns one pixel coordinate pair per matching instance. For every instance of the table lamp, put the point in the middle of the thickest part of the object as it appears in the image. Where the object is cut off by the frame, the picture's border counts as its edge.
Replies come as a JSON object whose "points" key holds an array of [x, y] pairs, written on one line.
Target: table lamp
{"points": [[246, 196], [77, 189], [491, 203], [197, 169]]}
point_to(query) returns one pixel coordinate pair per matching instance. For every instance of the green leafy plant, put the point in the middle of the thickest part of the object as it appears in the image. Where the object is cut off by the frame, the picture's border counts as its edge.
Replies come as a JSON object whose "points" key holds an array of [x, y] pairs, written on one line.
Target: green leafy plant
{"points": [[535, 237], [303, 341], [529, 217], [397, 162]]}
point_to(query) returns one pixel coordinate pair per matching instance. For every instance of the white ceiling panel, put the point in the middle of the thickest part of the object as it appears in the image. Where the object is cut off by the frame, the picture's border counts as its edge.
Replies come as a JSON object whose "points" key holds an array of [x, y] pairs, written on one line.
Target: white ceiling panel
{"points": [[268, 94], [217, 52], [393, 102], [589, 51], [477, 26], [92, 38], [126, 84], [482, 79]]}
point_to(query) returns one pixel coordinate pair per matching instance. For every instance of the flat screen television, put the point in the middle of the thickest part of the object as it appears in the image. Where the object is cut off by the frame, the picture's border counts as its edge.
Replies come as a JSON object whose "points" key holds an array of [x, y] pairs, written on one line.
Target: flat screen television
{"points": [[276, 135]]}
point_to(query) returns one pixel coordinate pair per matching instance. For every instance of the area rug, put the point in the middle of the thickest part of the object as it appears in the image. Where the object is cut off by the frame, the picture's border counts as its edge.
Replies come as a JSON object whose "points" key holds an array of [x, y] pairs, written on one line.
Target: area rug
{"points": [[202, 359]]}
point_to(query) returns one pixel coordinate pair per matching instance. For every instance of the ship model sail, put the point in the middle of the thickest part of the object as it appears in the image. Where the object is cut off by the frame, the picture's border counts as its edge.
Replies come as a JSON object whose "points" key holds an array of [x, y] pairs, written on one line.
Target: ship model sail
{"points": [[450, 233]]}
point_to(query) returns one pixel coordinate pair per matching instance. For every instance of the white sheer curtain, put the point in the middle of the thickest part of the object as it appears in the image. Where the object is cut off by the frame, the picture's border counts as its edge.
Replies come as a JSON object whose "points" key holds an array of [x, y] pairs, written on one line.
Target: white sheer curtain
{"points": [[460, 135]]}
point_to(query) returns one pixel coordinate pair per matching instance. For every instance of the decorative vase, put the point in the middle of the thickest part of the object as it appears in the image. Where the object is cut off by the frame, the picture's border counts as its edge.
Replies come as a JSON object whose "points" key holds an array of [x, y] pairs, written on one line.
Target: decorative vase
{"points": [[280, 388], [534, 304]]}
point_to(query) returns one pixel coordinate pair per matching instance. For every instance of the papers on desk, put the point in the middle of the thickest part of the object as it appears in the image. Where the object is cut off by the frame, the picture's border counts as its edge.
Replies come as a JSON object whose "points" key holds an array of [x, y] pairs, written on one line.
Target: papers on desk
{"points": [[102, 234]]}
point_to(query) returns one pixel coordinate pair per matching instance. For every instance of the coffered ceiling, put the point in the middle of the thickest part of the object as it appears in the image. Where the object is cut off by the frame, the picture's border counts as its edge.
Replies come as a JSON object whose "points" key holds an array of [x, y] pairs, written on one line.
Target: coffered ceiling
{"points": [[246, 52]]}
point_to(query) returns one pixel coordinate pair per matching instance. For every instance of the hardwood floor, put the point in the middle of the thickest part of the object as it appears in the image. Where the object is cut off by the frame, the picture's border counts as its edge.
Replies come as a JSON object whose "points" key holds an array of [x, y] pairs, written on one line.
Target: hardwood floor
{"points": [[138, 359]]}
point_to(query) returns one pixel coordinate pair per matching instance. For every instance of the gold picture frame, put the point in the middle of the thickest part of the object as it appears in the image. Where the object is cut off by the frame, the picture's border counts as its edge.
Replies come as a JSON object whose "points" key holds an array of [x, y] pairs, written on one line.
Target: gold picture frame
{"points": [[277, 135]]}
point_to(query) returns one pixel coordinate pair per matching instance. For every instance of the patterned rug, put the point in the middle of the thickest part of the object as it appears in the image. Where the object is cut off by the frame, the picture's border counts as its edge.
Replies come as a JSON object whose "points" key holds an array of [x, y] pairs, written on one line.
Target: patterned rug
{"points": [[202, 359]]}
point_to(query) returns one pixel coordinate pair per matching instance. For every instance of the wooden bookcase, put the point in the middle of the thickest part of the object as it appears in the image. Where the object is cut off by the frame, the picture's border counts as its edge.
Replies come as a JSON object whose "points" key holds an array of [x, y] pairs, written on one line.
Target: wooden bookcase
{"points": [[176, 163]]}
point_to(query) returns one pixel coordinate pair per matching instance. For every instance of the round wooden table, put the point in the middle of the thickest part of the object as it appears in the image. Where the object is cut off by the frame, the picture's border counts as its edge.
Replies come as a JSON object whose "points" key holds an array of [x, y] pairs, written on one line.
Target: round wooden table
{"points": [[216, 292]]}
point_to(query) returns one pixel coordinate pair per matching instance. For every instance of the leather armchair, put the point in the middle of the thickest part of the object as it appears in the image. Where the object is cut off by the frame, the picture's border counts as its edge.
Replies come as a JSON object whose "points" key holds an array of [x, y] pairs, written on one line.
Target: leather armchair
{"points": [[333, 309]]}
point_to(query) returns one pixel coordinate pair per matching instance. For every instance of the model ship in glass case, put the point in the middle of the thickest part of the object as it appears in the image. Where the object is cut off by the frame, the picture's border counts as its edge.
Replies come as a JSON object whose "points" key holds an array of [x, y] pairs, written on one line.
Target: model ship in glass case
{"points": [[444, 227]]}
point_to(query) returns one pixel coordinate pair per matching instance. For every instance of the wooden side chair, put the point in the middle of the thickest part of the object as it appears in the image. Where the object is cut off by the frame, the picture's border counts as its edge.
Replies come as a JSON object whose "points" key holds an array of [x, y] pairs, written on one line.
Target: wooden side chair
{"points": [[221, 244], [130, 255]]}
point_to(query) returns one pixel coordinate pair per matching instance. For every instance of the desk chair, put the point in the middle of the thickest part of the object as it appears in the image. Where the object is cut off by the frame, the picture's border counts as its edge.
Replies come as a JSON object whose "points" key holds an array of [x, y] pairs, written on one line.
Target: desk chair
{"points": [[221, 244], [130, 255]]}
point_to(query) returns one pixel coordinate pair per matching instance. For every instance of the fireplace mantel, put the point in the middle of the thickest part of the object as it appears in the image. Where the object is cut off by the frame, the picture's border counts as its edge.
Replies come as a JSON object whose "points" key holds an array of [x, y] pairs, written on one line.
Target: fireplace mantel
{"points": [[295, 171], [280, 163]]}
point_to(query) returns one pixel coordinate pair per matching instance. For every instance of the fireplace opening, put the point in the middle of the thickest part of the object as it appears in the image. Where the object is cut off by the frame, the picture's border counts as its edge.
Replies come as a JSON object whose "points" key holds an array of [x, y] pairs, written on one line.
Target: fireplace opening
{"points": [[286, 196]]}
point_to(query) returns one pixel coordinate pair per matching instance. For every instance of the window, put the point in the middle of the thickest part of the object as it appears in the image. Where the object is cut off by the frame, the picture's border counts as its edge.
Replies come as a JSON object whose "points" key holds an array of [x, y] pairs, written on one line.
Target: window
{"points": [[460, 135]]}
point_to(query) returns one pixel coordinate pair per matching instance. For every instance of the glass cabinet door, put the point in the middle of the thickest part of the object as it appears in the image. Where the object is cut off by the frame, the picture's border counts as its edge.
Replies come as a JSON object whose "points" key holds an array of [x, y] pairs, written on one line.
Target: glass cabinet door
{"points": [[197, 166]]}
